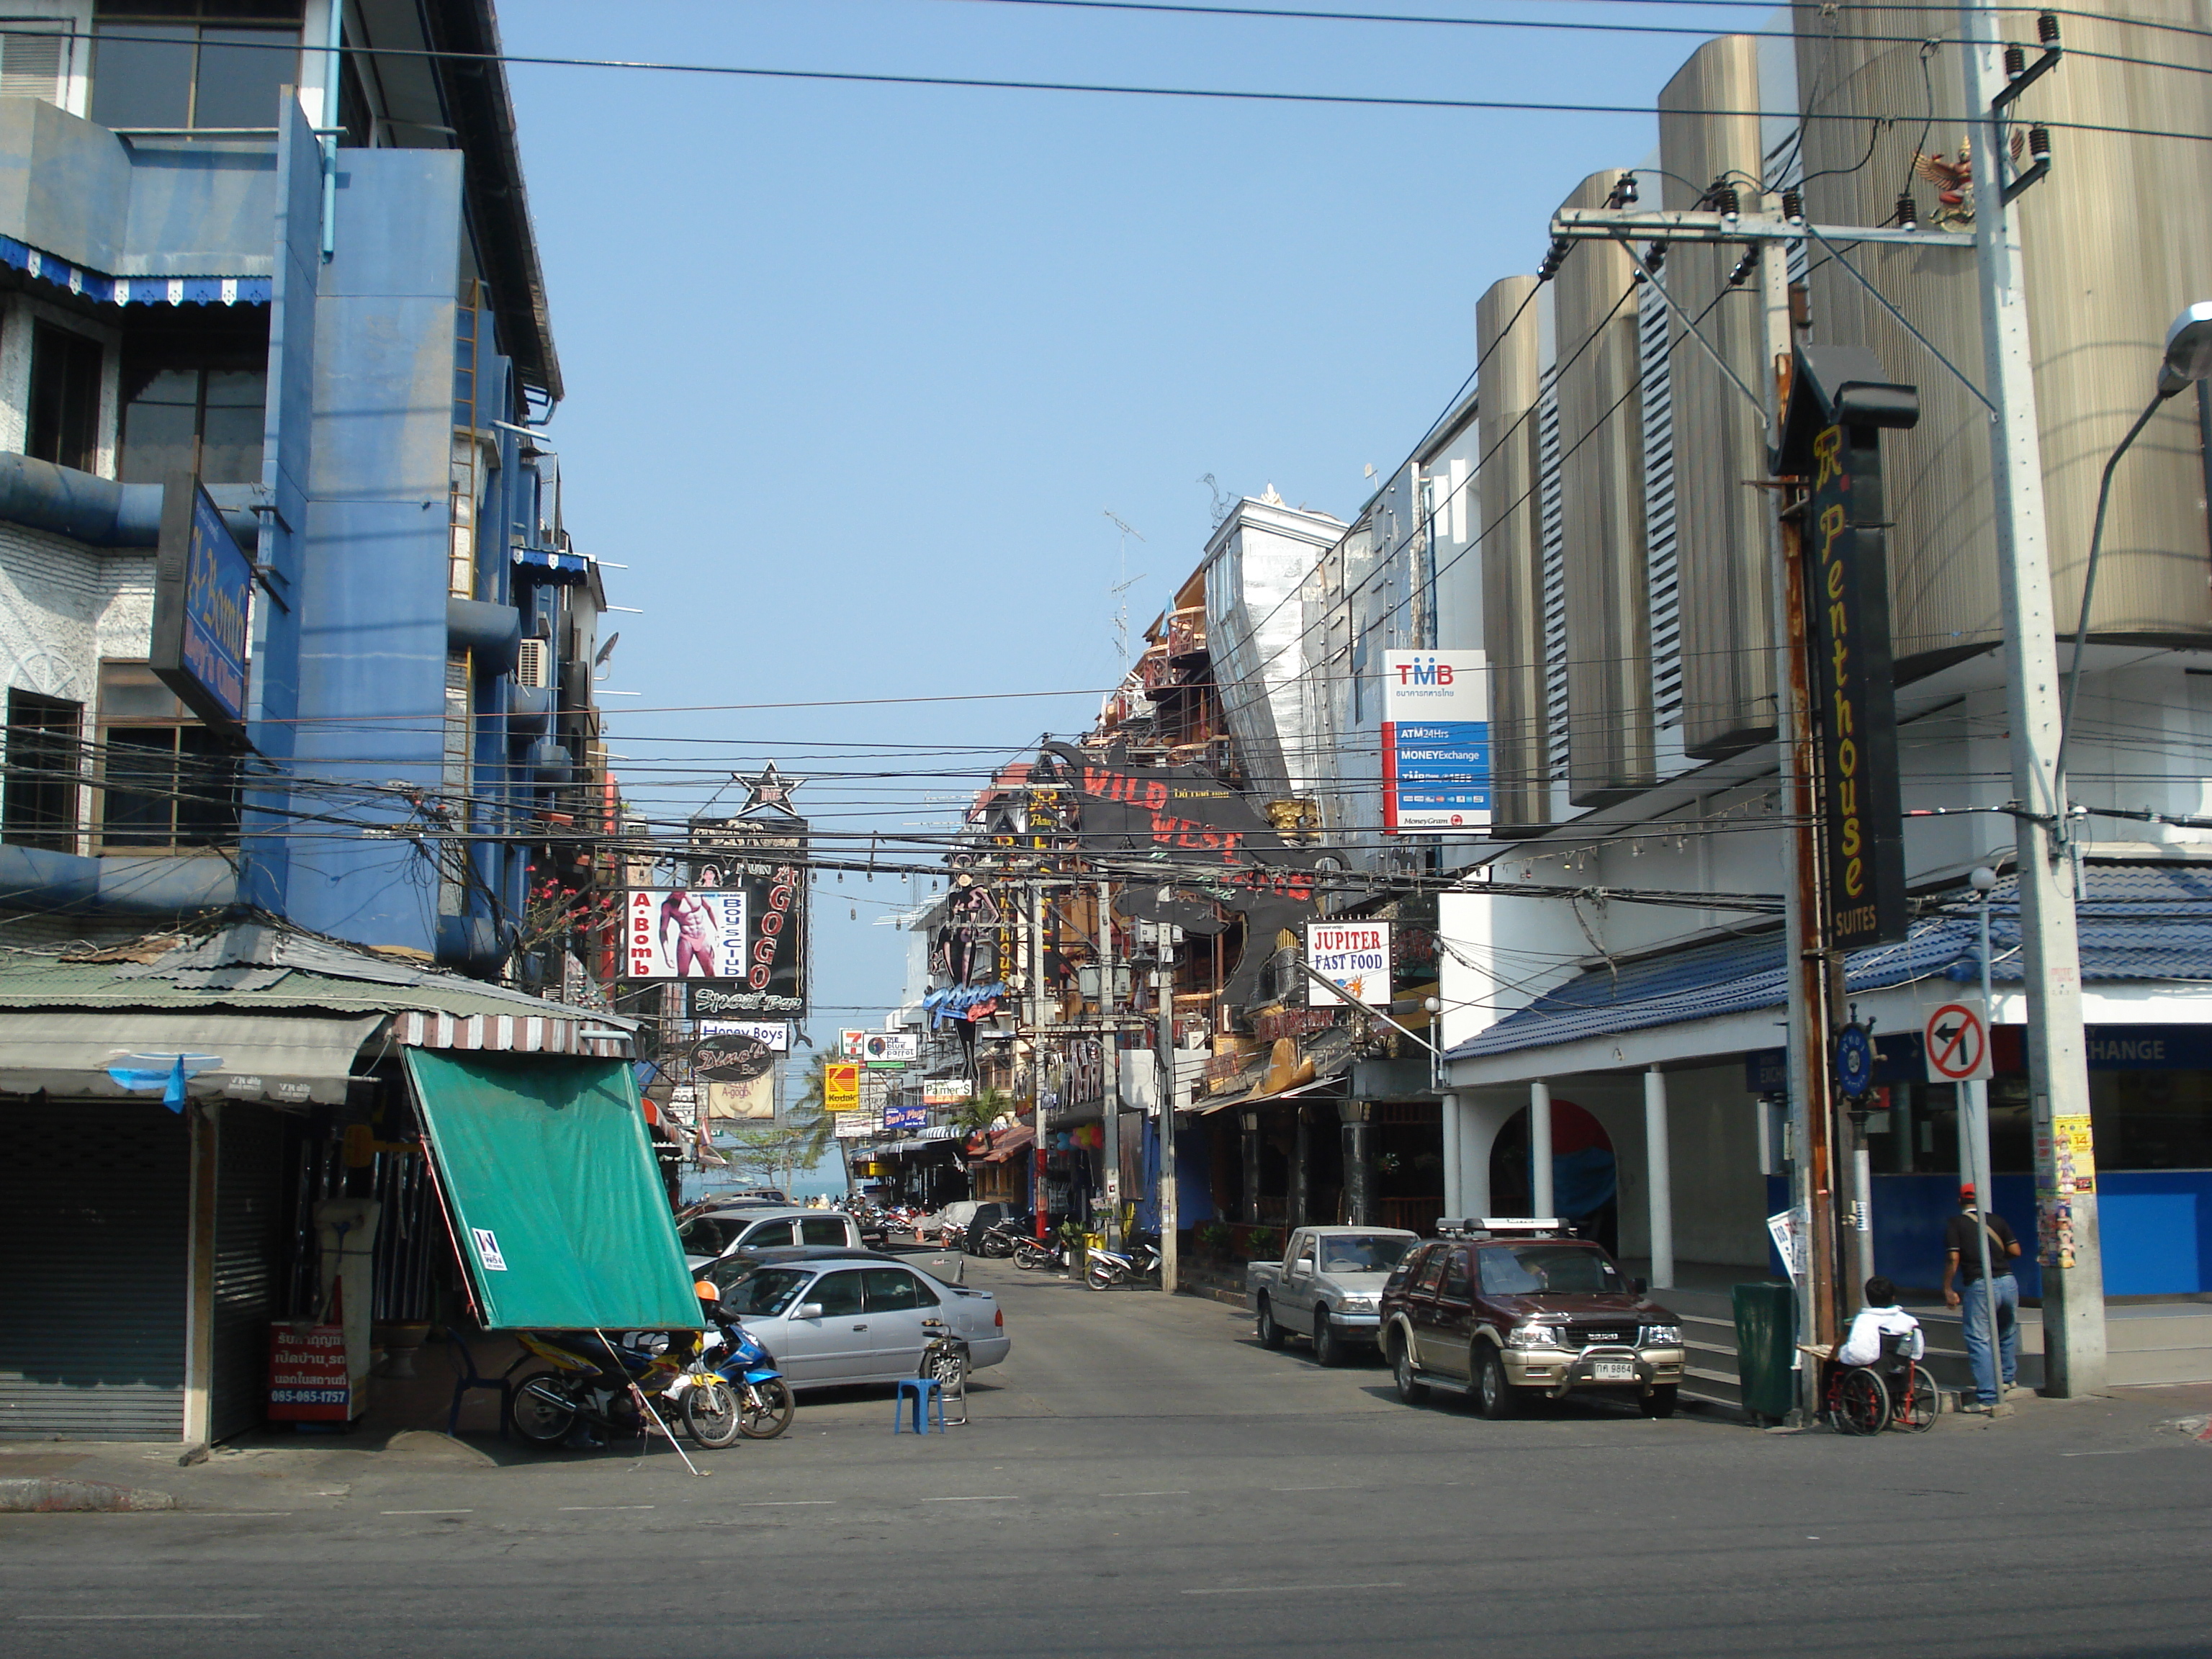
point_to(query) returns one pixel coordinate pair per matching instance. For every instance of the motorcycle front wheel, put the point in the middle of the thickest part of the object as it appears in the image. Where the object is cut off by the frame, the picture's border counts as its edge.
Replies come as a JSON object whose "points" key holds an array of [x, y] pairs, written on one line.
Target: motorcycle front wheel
{"points": [[711, 1413], [544, 1410], [1029, 1257], [997, 1246], [1102, 1277], [765, 1409]]}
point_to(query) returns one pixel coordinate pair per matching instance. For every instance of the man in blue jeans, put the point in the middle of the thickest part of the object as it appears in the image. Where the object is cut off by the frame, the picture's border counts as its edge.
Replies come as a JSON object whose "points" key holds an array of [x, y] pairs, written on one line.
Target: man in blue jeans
{"points": [[1962, 1257]]}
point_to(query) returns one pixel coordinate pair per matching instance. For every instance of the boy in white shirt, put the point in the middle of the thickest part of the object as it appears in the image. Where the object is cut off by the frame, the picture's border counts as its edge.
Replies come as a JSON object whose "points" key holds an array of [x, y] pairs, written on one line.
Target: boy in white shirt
{"points": [[1880, 1317]]}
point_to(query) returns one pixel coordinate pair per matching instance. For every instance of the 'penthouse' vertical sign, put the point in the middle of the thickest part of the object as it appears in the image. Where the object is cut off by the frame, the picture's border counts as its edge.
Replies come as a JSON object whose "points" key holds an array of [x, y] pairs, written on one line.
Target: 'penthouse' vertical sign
{"points": [[1839, 403]]}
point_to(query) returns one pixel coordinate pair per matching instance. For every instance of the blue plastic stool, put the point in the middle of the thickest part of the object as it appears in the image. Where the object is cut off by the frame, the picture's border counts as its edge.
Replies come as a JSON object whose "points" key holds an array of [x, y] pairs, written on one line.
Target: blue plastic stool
{"points": [[923, 1392]]}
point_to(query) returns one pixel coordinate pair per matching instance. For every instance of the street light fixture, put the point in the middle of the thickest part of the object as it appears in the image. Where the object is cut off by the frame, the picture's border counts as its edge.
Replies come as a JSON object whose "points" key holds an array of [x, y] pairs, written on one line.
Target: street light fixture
{"points": [[2188, 359]]}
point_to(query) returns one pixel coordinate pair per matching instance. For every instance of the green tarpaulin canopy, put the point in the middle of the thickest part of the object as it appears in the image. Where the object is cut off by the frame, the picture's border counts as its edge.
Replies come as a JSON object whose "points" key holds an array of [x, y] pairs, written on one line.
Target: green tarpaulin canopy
{"points": [[558, 1209]]}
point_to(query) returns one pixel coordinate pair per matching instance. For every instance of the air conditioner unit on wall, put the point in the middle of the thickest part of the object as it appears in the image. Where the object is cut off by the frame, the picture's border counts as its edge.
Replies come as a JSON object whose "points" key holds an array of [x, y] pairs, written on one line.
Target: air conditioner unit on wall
{"points": [[533, 664]]}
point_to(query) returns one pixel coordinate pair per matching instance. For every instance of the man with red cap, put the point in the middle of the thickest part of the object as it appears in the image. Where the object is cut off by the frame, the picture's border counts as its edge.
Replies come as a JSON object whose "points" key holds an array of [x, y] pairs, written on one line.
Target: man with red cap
{"points": [[1962, 1257]]}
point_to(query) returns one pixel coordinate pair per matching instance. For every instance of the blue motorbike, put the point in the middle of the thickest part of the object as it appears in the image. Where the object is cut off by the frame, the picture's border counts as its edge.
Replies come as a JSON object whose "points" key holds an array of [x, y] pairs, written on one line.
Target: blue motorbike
{"points": [[733, 1388]]}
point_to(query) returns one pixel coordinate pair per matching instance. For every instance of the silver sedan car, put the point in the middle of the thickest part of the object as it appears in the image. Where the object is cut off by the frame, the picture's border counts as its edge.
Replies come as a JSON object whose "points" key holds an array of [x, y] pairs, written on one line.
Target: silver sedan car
{"points": [[833, 1319]]}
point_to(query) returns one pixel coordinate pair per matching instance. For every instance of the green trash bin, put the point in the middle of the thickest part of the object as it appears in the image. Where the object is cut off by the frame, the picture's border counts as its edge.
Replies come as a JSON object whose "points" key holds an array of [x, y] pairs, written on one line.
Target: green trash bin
{"points": [[1765, 1344]]}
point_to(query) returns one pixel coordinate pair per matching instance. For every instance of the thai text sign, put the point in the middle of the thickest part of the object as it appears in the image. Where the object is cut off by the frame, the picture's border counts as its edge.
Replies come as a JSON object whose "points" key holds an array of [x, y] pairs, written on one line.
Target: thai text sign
{"points": [[1352, 955], [1436, 742], [203, 599], [308, 1380]]}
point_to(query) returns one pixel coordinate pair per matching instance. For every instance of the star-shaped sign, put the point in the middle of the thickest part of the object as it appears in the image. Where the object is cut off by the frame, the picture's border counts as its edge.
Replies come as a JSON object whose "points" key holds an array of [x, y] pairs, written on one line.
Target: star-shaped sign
{"points": [[768, 790]]}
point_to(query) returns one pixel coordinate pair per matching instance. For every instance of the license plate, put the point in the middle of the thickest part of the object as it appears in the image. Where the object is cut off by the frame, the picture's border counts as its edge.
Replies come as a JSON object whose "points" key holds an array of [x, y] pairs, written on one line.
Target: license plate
{"points": [[1613, 1371]]}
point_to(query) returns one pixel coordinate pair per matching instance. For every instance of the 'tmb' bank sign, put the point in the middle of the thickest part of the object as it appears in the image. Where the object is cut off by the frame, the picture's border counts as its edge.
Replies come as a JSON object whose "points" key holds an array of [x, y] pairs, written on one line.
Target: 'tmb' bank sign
{"points": [[1436, 742]]}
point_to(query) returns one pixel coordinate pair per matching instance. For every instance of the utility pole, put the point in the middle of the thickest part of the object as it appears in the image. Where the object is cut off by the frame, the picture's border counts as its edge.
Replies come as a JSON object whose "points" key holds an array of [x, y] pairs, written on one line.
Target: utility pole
{"points": [[1170, 1200], [2068, 1244], [1811, 1118], [1109, 1040], [1036, 999]]}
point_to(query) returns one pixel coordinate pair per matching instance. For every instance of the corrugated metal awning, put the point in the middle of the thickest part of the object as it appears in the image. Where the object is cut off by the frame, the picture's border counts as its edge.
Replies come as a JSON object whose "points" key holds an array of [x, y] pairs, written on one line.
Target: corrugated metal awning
{"points": [[287, 1059]]}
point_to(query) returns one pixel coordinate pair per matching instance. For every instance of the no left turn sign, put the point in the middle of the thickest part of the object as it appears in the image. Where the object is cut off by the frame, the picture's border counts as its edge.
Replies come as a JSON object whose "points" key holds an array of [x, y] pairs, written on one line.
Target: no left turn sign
{"points": [[1956, 1040]]}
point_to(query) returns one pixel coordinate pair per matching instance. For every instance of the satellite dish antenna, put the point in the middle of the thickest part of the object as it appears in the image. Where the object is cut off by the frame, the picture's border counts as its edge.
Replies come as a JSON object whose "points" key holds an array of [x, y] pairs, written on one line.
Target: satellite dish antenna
{"points": [[608, 649]]}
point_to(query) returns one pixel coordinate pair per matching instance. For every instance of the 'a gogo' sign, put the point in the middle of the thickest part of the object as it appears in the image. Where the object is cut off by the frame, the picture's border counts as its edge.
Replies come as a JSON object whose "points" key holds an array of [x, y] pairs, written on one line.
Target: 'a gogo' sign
{"points": [[203, 604]]}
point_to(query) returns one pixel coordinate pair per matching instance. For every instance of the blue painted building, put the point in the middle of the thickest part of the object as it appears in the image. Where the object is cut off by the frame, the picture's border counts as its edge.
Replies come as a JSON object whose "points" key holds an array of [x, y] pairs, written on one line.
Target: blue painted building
{"points": [[309, 278]]}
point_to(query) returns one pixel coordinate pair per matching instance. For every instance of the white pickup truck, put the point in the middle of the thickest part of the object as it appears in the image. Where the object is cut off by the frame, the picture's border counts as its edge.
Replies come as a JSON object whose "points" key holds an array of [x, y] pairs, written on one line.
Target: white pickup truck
{"points": [[1326, 1288]]}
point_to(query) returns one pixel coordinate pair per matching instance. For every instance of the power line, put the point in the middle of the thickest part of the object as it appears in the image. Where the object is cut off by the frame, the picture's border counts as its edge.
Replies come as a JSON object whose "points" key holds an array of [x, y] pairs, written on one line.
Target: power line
{"points": [[1375, 101]]}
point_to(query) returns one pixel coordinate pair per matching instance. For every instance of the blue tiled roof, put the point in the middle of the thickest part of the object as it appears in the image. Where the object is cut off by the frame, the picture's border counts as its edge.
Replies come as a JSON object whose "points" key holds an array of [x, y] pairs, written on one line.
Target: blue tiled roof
{"points": [[2136, 922]]}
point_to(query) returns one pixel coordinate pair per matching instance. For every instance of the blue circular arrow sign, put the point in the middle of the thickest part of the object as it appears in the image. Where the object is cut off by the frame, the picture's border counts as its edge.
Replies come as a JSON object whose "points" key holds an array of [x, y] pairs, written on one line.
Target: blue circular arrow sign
{"points": [[1854, 1060]]}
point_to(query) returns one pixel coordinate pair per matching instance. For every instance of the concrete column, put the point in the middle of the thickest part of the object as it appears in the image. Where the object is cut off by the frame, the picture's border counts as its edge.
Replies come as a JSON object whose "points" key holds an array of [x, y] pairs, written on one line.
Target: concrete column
{"points": [[1540, 1148], [1659, 1178], [1301, 1173], [1359, 1206], [1251, 1149], [1452, 1173]]}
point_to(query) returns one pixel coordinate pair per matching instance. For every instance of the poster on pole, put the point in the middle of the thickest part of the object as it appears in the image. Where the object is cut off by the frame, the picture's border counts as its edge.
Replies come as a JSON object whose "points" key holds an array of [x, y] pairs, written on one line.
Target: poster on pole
{"points": [[1436, 742], [1352, 955]]}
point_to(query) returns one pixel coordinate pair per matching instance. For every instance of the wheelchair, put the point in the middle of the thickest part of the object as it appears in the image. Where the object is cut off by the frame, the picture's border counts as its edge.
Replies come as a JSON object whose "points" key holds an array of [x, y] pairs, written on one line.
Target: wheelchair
{"points": [[1895, 1392]]}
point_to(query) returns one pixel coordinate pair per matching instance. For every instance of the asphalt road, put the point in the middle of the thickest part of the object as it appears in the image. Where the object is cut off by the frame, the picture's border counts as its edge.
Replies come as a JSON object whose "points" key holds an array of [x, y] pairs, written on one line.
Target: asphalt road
{"points": [[1140, 1477]]}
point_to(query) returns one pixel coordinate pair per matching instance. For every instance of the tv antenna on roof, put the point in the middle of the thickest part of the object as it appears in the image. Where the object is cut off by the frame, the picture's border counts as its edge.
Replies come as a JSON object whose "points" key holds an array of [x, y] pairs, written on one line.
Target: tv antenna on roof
{"points": [[1121, 589]]}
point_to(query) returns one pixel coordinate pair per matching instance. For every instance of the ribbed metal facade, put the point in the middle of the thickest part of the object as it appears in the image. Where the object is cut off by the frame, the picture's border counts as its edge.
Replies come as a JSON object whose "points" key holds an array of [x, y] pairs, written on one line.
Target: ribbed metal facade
{"points": [[94, 1199], [1598, 375], [1721, 552], [1512, 596], [2116, 240], [249, 1167]]}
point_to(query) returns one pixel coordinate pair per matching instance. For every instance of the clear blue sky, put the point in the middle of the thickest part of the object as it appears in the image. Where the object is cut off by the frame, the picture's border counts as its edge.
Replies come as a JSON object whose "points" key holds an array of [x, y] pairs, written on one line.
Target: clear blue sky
{"points": [[853, 370]]}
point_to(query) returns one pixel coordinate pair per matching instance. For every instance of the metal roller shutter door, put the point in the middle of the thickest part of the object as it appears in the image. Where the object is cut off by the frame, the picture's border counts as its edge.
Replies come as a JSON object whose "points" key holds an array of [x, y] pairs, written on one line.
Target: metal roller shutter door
{"points": [[95, 1201], [249, 1158]]}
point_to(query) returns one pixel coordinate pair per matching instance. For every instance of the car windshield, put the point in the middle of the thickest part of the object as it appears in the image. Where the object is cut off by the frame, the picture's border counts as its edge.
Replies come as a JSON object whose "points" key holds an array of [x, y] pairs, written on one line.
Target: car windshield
{"points": [[1363, 1253], [1548, 1270], [765, 1290]]}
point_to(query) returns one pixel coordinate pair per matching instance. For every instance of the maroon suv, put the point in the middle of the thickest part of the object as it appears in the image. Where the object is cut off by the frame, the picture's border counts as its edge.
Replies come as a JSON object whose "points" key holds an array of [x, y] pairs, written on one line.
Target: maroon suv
{"points": [[1499, 1310]]}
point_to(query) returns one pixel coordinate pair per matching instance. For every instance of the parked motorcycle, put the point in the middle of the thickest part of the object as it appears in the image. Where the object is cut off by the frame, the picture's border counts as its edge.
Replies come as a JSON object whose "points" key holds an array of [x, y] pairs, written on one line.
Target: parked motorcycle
{"points": [[592, 1381], [733, 1390], [1006, 1236], [1031, 1253], [1105, 1269]]}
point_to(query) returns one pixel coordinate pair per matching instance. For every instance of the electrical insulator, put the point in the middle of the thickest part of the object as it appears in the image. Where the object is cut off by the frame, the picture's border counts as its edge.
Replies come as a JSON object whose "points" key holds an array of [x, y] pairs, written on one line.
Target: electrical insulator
{"points": [[1908, 214], [1793, 206], [1623, 191], [1725, 200], [2047, 29], [2039, 142], [2015, 62]]}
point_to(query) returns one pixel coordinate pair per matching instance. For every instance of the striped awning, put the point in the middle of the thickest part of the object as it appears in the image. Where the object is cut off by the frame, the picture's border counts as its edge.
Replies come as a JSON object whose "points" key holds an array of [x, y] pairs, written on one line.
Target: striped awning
{"points": [[133, 290], [530, 1034]]}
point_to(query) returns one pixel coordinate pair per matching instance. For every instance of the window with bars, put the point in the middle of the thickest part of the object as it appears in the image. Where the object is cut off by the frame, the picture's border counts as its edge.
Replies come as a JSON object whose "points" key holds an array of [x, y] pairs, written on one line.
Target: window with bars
{"points": [[39, 799], [167, 782]]}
